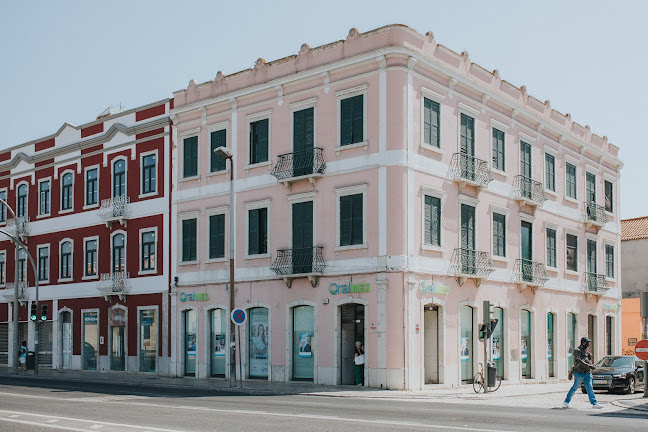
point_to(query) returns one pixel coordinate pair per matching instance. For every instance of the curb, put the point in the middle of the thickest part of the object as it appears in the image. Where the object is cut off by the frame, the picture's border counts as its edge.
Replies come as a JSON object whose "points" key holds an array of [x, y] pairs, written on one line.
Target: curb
{"points": [[619, 403]]}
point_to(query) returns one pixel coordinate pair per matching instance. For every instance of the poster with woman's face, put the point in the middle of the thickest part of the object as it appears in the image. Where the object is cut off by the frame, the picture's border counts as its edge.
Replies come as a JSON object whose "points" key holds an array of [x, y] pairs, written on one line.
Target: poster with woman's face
{"points": [[219, 345], [525, 349], [191, 344], [549, 349], [258, 342], [496, 348], [305, 348], [464, 350]]}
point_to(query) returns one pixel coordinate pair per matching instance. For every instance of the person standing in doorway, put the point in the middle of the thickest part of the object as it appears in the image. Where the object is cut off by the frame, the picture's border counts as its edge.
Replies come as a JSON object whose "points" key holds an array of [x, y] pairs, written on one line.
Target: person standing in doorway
{"points": [[582, 373], [22, 355], [358, 363]]}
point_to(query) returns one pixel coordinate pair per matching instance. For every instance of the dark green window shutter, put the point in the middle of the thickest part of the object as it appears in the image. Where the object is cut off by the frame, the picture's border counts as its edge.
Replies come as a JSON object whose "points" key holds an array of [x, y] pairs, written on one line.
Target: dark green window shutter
{"points": [[351, 120], [303, 129], [550, 172], [356, 209], [570, 180], [217, 140], [551, 247], [609, 261], [431, 123], [466, 135], [525, 159], [499, 234], [609, 201], [432, 223], [345, 220], [259, 141], [217, 236], [263, 230], [189, 240], [190, 157], [253, 232], [498, 150], [358, 114]]}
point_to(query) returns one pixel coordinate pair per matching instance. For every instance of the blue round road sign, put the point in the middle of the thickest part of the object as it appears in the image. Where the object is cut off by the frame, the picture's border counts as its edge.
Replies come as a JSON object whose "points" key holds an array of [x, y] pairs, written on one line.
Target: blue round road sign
{"points": [[238, 316]]}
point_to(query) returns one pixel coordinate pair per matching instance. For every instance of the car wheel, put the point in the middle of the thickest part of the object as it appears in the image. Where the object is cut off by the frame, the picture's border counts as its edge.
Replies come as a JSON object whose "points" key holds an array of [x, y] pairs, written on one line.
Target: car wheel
{"points": [[631, 385]]}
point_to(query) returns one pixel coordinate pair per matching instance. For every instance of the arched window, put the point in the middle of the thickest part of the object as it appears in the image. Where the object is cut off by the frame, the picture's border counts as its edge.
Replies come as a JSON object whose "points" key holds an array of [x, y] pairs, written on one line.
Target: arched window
{"points": [[119, 178], [118, 253], [21, 207], [66, 260], [66, 191]]}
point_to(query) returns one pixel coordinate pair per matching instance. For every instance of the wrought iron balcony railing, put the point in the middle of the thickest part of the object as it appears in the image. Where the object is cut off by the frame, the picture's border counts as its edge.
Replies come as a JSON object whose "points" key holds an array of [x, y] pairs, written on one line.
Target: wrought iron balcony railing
{"points": [[528, 191], [470, 170], [530, 272], [301, 163], [115, 209], [20, 226], [290, 262], [595, 283], [594, 214], [116, 283], [471, 263], [8, 293]]}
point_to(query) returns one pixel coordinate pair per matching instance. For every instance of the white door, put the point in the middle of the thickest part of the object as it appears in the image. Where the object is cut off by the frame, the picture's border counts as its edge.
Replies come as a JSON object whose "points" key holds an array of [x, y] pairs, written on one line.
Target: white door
{"points": [[67, 345]]}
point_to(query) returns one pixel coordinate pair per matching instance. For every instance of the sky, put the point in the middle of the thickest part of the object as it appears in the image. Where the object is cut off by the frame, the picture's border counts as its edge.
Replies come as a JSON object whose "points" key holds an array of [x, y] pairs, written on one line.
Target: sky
{"points": [[67, 61]]}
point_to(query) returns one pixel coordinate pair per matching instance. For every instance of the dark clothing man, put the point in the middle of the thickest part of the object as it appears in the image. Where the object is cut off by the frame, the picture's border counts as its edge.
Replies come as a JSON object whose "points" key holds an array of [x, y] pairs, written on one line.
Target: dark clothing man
{"points": [[582, 368], [582, 360]]}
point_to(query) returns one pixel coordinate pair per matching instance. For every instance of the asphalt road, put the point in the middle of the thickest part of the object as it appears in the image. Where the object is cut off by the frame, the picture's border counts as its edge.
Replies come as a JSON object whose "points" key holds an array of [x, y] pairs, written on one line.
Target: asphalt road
{"points": [[47, 405]]}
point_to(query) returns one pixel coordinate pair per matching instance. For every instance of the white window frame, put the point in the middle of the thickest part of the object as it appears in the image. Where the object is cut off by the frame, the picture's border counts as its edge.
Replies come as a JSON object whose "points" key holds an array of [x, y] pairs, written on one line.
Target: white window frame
{"points": [[546, 245], [3, 253], [254, 205], [425, 191], [301, 198], [141, 178], [224, 125], [578, 254], [85, 263], [593, 171], [438, 98], [505, 212], [155, 266], [85, 185], [183, 136], [112, 237], [345, 191], [49, 213], [6, 192], [528, 139], [251, 118], [494, 124], [61, 176], [182, 217], [60, 244], [300, 106], [554, 153], [606, 243], [346, 94], [49, 263], [610, 179], [26, 215], [473, 114], [112, 175], [575, 163], [223, 210]]}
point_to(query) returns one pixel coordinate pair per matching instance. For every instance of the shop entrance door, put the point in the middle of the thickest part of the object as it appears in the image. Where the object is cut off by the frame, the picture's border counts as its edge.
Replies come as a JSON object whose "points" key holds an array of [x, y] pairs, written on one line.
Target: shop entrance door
{"points": [[117, 356], [351, 330], [591, 333], [4, 344], [431, 344], [66, 340]]}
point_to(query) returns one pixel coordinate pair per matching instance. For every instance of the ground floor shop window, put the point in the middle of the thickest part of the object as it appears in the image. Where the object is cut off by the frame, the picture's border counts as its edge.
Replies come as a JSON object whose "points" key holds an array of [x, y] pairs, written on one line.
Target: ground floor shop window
{"points": [[497, 344], [148, 340], [66, 339], [117, 334], [466, 343], [609, 331], [550, 344], [190, 332], [218, 340], [571, 338], [303, 340], [90, 340], [525, 343], [258, 338]]}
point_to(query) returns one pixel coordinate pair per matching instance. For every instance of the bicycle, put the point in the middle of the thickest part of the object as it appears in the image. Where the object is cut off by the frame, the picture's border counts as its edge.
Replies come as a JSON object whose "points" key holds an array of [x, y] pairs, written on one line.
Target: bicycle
{"points": [[478, 381]]}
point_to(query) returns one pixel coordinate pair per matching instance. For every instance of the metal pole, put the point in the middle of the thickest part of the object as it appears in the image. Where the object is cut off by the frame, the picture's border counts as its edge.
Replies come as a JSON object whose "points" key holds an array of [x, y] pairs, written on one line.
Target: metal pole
{"points": [[644, 326], [239, 355], [16, 343], [231, 282]]}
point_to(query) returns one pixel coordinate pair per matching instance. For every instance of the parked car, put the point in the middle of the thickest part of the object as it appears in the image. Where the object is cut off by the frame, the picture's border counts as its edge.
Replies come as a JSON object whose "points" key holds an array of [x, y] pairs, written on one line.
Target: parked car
{"points": [[614, 373]]}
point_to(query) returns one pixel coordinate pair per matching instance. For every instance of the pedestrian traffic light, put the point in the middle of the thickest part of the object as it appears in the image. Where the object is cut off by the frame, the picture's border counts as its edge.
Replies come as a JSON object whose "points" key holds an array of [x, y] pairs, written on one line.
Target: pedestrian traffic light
{"points": [[483, 332], [43, 316], [34, 312]]}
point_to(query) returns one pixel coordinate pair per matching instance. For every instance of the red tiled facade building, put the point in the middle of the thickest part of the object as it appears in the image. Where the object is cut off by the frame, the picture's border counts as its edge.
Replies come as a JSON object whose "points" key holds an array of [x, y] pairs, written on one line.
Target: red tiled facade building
{"points": [[92, 205]]}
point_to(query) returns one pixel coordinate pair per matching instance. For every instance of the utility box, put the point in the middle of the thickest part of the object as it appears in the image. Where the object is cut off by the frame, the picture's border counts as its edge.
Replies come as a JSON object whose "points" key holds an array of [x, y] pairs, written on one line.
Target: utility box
{"points": [[29, 363], [491, 374]]}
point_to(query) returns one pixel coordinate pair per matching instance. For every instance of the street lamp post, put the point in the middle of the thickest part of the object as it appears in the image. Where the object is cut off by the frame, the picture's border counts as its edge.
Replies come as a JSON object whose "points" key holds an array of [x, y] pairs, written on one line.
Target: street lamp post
{"points": [[19, 245], [225, 154]]}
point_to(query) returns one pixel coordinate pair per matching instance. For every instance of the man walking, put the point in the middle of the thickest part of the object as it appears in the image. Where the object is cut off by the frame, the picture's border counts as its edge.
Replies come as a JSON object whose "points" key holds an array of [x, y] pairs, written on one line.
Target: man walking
{"points": [[582, 372]]}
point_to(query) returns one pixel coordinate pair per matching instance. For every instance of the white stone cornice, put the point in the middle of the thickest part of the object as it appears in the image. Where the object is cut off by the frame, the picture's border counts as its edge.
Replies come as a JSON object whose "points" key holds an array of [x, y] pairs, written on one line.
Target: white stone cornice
{"points": [[382, 61]]}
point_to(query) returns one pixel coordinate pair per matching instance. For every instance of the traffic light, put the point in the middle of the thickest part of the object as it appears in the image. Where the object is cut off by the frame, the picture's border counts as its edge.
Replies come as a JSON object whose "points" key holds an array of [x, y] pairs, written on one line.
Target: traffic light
{"points": [[34, 312], [43, 316], [483, 332], [490, 322], [489, 312]]}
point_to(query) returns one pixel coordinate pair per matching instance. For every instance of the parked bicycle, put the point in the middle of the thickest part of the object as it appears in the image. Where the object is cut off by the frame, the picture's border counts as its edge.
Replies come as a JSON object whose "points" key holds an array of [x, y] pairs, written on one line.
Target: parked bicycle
{"points": [[479, 379]]}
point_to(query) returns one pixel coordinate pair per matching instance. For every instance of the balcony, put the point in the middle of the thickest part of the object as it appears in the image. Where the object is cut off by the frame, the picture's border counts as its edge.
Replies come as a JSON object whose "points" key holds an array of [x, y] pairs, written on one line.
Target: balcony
{"points": [[19, 226], [305, 164], [116, 283], [470, 264], [530, 274], [115, 209], [470, 171], [295, 263], [594, 215], [8, 292], [528, 191], [594, 284]]}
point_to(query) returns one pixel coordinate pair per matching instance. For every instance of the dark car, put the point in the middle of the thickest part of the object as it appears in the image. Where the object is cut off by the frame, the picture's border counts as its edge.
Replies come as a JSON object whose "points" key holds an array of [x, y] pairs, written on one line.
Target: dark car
{"points": [[617, 373]]}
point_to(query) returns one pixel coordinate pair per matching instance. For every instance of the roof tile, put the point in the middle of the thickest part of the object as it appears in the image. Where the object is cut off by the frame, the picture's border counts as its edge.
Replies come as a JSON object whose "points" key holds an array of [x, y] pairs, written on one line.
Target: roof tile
{"points": [[634, 229]]}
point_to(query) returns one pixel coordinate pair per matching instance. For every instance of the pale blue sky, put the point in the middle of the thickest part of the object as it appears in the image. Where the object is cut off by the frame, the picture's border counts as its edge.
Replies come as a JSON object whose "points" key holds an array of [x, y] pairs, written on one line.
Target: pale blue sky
{"points": [[69, 60]]}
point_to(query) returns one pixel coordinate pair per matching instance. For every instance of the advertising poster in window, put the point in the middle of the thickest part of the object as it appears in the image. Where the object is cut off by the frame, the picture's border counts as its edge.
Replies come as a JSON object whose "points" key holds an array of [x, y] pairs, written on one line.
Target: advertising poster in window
{"points": [[525, 349], [549, 349], [496, 348], [464, 353], [305, 344], [219, 345], [191, 344], [570, 348], [258, 343]]}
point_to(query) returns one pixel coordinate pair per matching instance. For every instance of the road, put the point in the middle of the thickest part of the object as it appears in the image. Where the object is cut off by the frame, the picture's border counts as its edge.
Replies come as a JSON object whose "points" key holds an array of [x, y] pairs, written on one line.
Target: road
{"points": [[45, 405]]}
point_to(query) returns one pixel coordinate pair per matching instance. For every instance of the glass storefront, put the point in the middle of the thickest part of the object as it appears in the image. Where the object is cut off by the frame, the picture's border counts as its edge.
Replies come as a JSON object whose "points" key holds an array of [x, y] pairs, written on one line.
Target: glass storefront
{"points": [[525, 341], [148, 340], [497, 344], [190, 330], [258, 338], [90, 340], [303, 340], [571, 338], [550, 344], [466, 343], [218, 340]]}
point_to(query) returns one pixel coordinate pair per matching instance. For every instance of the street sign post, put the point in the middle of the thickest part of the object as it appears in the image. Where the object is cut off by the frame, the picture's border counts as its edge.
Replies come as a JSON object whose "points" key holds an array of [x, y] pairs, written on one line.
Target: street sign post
{"points": [[238, 318], [641, 349]]}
